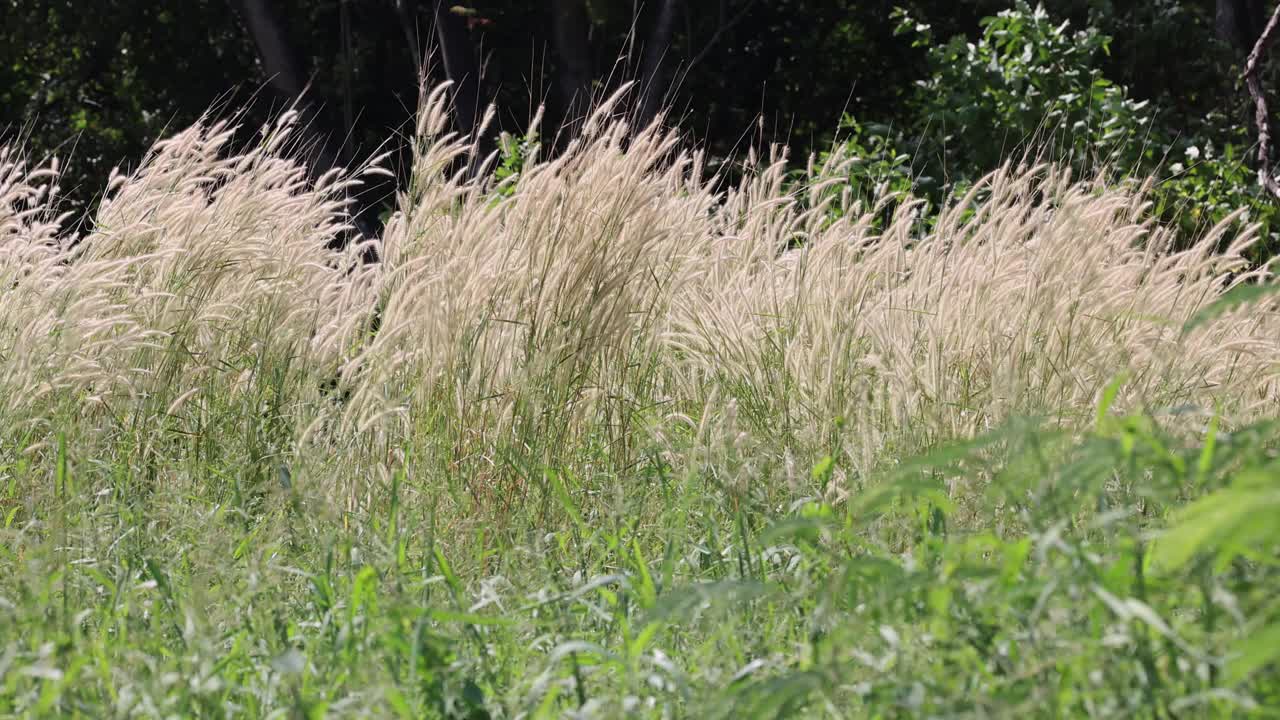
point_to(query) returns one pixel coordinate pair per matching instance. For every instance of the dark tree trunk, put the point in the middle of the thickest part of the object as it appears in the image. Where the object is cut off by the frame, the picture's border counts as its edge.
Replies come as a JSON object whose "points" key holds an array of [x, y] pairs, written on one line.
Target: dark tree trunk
{"points": [[284, 71], [656, 49], [285, 75], [407, 10], [571, 34], [1239, 22], [460, 66]]}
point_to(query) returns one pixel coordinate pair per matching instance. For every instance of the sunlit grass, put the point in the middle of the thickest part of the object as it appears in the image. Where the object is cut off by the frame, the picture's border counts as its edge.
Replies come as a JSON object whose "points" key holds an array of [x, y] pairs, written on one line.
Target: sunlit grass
{"points": [[619, 439]]}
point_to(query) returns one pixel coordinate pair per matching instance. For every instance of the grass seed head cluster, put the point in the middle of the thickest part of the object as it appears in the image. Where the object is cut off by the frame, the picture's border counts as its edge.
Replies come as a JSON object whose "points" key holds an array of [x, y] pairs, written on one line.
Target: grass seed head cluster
{"points": [[613, 290]]}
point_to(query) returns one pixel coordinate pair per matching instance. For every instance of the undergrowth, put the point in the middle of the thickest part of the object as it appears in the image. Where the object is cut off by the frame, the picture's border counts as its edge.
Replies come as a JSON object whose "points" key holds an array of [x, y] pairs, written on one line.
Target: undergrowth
{"points": [[601, 436]]}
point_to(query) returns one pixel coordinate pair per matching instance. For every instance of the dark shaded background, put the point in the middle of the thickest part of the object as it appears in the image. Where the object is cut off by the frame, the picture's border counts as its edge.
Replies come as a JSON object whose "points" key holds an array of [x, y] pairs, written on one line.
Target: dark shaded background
{"points": [[96, 81]]}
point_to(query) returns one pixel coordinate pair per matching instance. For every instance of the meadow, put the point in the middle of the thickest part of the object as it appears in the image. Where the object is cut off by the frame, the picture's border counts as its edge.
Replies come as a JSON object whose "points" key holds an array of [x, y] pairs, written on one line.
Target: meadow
{"points": [[614, 435]]}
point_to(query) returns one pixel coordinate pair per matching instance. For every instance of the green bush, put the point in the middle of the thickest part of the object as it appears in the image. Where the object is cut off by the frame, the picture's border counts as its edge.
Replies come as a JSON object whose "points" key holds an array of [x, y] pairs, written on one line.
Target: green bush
{"points": [[1029, 86], [1026, 81], [1203, 185], [878, 170]]}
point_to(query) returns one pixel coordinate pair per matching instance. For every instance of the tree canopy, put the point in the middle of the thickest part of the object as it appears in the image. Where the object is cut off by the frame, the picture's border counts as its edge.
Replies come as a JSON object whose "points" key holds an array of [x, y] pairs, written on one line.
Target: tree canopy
{"points": [[100, 81]]}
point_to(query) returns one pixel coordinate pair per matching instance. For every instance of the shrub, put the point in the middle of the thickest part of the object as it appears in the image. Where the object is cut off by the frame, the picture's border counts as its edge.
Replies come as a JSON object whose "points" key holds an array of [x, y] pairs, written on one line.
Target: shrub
{"points": [[1027, 81], [1030, 85]]}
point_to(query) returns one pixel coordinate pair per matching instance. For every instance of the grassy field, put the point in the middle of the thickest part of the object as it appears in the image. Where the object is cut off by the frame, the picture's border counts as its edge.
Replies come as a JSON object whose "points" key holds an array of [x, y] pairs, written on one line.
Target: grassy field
{"points": [[614, 438]]}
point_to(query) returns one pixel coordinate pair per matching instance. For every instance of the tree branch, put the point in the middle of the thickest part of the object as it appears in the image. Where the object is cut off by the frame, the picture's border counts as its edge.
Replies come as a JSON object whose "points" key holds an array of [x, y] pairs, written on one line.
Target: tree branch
{"points": [[1261, 115]]}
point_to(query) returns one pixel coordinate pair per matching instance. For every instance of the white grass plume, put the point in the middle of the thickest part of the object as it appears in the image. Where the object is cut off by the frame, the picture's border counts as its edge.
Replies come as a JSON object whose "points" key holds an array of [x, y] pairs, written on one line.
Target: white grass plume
{"points": [[612, 290]]}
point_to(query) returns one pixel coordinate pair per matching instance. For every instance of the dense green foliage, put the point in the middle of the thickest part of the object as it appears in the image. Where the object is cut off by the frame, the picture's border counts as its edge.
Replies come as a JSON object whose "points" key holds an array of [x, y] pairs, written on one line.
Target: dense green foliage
{"points": [[1031, 85], [1015, 573]]}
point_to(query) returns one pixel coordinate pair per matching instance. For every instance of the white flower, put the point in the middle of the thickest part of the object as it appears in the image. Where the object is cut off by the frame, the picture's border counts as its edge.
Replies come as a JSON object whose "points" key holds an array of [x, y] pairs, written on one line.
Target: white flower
{"points": [[1176, 168], [1193, 153]]}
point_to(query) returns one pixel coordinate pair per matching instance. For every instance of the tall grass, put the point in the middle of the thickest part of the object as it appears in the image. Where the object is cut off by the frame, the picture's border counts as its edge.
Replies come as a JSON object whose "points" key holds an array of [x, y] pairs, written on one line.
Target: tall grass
{"points": [[610, 355], [612, 278]]}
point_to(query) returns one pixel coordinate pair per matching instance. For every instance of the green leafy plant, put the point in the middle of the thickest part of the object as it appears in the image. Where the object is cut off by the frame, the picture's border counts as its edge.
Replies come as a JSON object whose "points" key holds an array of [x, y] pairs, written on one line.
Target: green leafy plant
{"points": [[878, 168], [1203, 185], [1028, 80], [514, 153]]}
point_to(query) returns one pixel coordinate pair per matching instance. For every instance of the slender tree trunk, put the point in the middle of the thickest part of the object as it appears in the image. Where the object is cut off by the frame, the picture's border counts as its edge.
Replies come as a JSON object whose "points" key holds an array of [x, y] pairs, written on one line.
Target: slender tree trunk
{"points": [[284, 71], [657, 47], [1239, 22], [1262, 116], [407, 11], [571, 29], [285, 75], [460, 66]]}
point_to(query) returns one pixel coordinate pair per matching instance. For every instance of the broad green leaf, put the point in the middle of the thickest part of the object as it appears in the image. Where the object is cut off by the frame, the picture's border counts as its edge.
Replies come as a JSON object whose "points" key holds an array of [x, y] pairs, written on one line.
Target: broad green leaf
{"points": [[1255, 651]]}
